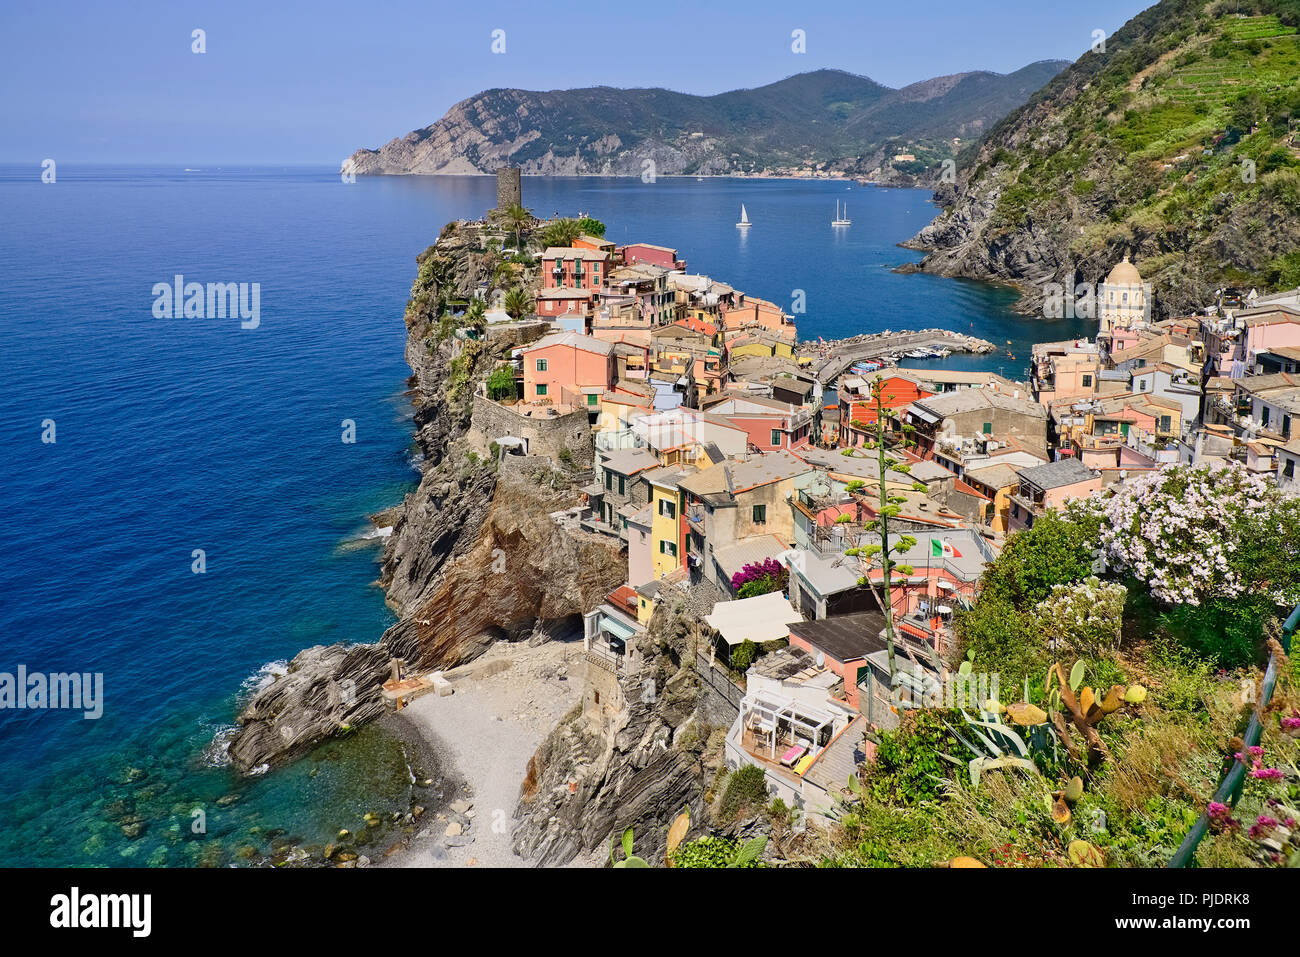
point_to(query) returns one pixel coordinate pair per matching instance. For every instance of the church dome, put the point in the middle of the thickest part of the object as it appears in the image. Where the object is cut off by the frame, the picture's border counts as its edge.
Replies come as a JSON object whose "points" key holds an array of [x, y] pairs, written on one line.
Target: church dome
{"points": [[1124, 274]]}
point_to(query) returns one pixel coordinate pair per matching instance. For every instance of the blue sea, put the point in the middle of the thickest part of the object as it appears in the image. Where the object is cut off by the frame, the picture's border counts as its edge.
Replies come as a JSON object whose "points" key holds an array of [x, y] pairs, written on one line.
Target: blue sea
{"points": [[178, 436]]}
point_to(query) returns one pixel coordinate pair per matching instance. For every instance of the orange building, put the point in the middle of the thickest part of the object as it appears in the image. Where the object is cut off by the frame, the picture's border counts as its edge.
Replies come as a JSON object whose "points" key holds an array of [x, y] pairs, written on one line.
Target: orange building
{"points": [[858, 406]]}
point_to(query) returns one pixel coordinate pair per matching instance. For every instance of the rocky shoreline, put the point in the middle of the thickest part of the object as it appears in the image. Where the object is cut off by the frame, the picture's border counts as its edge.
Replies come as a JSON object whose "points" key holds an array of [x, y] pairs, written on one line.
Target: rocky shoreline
{"points": [[472, 559]]}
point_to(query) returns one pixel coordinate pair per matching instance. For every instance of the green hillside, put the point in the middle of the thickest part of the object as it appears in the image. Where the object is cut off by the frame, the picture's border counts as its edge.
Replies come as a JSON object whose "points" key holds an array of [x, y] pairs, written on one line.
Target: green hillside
{"points": [[1181, 143]]}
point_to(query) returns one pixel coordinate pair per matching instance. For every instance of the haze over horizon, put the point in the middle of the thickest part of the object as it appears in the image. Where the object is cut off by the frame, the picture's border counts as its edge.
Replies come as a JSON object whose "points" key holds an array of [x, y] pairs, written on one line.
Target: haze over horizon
{"points": [[90, 84]]}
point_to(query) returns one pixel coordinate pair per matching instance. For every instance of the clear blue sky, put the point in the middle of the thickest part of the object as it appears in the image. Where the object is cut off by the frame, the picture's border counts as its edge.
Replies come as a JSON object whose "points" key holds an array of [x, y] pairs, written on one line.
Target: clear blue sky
{"points": [[284, 82]]}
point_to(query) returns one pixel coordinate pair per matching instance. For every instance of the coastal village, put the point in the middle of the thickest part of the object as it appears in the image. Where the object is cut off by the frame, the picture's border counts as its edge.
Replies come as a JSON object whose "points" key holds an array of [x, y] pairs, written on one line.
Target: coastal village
{"points": [[732, 462]]}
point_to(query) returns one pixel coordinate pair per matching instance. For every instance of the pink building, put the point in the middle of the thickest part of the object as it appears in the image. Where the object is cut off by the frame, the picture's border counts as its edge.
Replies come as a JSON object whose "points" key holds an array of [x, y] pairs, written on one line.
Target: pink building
{"points": [[559, 301], [640, 546], [759, 312], [1049, 486], [769, 423], [1269, 329], [568, 365], [568, 267], [661, 256]]}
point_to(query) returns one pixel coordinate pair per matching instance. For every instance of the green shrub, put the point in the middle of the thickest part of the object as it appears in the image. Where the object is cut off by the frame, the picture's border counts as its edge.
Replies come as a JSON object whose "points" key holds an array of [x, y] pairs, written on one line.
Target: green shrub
{"points": [[709, 852], [501, 383], [746, 789], [744, 653], [907, 769], [1226, 630]]}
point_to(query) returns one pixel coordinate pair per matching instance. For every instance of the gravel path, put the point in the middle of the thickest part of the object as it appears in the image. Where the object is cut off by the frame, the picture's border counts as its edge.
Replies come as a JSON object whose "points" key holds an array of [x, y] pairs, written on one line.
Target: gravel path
{"points": [[504, 705]]}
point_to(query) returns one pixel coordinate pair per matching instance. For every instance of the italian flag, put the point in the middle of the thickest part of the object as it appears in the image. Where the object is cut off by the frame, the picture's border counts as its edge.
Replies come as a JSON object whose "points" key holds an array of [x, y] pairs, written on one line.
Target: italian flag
{"points": [[940, 549]]}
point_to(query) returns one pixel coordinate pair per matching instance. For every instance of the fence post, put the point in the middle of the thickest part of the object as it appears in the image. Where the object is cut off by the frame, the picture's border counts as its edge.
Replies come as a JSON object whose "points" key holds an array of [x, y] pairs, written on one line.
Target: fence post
{"points": [[1231, 786]]}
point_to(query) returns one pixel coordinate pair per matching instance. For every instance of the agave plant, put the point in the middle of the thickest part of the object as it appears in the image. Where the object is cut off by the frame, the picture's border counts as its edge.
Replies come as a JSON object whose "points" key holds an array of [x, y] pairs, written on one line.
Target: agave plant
{"points": [[999, 746]]}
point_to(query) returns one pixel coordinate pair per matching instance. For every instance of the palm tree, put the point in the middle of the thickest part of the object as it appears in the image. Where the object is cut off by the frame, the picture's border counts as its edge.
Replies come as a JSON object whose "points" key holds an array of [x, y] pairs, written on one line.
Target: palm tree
{"points": [[561, 232], [476, 315], [517, 302], [517, 218]]}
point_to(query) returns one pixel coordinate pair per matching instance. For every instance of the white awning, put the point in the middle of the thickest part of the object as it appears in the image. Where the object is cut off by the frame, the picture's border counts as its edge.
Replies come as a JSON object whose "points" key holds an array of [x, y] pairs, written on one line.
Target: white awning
{"points": [[759, 619]]}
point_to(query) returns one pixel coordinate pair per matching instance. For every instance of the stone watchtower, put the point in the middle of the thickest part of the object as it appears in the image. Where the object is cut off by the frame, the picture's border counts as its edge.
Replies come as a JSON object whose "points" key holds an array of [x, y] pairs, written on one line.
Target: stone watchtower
{"points": [[509, 189]]}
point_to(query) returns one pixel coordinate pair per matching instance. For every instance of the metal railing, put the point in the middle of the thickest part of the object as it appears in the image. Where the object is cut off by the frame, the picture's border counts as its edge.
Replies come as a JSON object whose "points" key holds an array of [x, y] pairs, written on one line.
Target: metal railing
{"points": [[1230, 787]]}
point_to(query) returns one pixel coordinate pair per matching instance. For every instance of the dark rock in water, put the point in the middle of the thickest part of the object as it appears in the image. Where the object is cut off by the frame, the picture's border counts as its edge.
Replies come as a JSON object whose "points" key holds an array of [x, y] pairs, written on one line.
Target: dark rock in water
{"points": [[327, 688]]}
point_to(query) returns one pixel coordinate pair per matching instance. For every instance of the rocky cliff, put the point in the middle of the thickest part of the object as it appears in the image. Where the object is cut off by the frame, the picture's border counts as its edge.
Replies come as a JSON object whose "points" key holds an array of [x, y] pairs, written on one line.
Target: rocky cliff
{"points": [[473, 556], [1173, 143], [637, 769], [828, 120]]}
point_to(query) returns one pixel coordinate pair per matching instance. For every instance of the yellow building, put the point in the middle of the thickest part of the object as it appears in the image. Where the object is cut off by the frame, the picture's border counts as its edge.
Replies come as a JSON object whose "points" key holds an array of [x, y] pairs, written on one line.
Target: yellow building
{"points": [[667, 545], [647, 596], [618, 408], [762, 344]]}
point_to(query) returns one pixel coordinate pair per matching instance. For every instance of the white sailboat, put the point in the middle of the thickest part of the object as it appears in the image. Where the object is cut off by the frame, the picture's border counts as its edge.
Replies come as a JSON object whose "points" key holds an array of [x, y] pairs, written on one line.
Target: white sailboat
{"points": [[841, 219], [744, 218]]}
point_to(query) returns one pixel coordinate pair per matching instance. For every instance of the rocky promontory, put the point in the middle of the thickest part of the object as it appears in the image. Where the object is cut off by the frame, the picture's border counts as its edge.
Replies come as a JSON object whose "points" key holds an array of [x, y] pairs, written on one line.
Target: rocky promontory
{"points": [[473, 556], [824, 123]]}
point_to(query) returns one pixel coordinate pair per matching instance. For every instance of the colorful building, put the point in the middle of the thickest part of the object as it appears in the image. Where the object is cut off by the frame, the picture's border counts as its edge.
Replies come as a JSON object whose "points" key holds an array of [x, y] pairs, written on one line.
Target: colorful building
{"points": [[568, 368], [569, 267], [769, 423], [857, 407], [667, 528], [663, 256]]}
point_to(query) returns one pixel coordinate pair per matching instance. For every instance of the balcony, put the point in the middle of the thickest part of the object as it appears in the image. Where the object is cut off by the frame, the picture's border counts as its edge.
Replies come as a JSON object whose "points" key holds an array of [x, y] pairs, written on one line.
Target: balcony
{"points": [[604, 658], [1099, 443]]}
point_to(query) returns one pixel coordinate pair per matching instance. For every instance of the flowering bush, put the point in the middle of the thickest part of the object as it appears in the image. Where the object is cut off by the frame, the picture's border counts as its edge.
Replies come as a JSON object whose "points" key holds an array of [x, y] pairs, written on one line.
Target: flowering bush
{"points": [[759, 578], [1179, 528], [1085, 617]]}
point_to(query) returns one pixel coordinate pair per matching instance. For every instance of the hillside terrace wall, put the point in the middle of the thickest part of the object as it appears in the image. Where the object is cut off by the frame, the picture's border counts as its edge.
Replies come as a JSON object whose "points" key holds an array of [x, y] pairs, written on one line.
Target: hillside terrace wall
{"points": [[546, 436]]}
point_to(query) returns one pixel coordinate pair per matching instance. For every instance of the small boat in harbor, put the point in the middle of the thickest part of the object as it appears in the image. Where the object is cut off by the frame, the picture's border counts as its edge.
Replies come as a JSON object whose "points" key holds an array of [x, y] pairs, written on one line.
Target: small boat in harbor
{"points": [[841, 219], [744, 218]]}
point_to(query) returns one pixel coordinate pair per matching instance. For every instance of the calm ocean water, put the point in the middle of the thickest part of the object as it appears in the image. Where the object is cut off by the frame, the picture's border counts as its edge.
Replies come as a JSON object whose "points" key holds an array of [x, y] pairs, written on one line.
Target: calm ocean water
{"points": [[182, 434]]}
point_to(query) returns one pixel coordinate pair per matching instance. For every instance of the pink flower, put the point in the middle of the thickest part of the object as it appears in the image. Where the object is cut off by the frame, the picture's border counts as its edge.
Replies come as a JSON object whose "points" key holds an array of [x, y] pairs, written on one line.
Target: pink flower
{"points": [[1268, 773]]}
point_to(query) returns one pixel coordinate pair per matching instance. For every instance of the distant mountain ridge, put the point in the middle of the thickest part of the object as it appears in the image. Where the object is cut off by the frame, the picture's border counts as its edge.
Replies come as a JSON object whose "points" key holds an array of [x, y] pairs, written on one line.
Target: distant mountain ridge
{"points": [[827, 120]]}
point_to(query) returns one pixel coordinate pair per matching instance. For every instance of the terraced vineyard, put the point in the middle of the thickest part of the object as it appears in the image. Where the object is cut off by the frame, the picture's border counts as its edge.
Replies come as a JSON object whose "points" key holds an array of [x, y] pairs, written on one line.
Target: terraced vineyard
{"points": [[1256, 53], [1256, 28]]}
